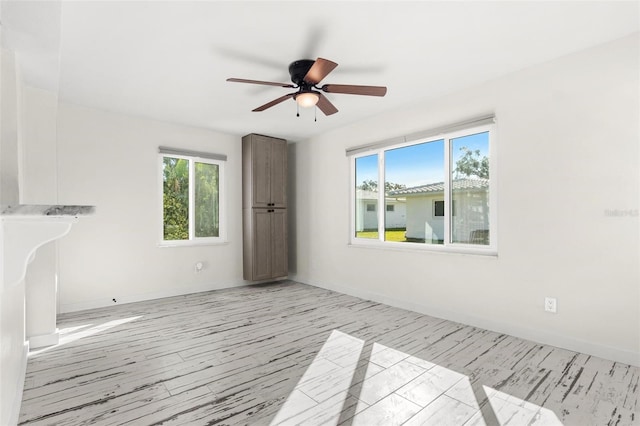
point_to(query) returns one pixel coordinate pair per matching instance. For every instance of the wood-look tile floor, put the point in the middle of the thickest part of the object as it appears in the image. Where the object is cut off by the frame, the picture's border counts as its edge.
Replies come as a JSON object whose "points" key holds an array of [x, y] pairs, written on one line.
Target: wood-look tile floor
{"points": [[288, 353]]}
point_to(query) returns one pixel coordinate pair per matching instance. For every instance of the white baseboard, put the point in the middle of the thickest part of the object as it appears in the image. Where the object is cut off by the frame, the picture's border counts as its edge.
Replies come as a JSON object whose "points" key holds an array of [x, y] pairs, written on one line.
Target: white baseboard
{"points": [[14, 416], [141, 297], [44, 340], [540, 336]]}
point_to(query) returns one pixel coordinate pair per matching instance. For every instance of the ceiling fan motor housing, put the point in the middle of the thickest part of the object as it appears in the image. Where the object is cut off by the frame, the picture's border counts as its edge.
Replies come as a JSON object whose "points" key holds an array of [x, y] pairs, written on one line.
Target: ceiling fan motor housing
{"points": [[298, 70]]}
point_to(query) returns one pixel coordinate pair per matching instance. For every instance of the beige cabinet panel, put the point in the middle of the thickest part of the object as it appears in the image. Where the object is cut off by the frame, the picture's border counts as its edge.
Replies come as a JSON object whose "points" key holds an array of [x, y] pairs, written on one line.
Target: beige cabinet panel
{"points": [[279, 252], [278, 174], [264, 171], [265, 247], [262, 244]]}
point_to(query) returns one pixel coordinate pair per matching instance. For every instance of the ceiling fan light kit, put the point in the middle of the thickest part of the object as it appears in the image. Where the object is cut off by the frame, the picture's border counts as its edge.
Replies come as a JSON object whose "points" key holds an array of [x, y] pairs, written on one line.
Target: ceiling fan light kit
{"points": [[307, 99], [305, 75]]}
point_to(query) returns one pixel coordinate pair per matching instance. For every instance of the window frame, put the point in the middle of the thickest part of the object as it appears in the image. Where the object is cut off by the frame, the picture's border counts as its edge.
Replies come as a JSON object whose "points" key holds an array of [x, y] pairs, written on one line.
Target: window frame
{"points": [[448, 246], [222, 202]]}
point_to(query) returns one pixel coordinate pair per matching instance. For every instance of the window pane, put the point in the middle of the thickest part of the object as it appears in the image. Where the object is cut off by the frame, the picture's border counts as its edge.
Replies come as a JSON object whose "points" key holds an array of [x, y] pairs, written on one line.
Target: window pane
{"points": [[414, 180], [438, 208], [470, 189], [175, 198], [366, 219], [207, 200]]}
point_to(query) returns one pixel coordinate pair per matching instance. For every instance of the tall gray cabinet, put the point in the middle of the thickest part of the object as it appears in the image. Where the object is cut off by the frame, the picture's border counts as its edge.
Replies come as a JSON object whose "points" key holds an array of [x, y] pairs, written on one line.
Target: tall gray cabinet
{"points": [[264, 207]]}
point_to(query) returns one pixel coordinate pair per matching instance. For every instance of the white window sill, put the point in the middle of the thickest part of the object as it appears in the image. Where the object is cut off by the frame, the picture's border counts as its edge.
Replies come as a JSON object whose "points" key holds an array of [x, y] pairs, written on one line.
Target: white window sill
{"points": [[192, 243], [428, 248]]}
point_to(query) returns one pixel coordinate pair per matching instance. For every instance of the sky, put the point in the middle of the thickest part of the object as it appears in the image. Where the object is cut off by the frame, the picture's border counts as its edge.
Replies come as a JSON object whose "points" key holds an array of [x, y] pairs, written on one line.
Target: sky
{"points": [[419, 164]]}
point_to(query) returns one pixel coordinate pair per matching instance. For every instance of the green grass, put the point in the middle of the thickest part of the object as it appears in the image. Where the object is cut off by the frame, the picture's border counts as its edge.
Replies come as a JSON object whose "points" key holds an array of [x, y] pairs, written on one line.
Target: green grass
{"points": [[395, 235]]}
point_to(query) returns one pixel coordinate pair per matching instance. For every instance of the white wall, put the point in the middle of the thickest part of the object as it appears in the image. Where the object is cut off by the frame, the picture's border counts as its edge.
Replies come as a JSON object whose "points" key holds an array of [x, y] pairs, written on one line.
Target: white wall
{"points": [[567, 144], [39, 186], [12, 314], [398, 217], [421, 222], [9, 149], [111, 161]]}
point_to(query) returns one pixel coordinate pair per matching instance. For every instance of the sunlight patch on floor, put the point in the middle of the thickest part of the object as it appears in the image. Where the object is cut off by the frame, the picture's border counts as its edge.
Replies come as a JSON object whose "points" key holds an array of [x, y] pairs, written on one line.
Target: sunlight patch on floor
{"points": [[512, 410], [379, 385], [332, 369], [71, 334]]}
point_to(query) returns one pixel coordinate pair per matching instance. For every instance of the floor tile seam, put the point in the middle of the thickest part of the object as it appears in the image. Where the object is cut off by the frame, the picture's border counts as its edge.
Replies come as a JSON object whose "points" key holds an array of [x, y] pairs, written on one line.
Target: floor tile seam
{"points": [[478, 406], [106, 399], [362, 384], [103, 388], [336, 369], [419, 408], [182, 388], [417, 364], [309, 396], [358, 402], [318, 381], [125, 409], [478, 403], [442, 393]]}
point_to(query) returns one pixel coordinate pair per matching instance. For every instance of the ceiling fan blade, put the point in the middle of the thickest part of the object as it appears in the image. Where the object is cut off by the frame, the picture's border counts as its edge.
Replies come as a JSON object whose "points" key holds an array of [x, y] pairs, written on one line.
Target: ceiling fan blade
{"points": [[274, 102], [266, 83], [319, 70], [325, 106], [355, 90]]}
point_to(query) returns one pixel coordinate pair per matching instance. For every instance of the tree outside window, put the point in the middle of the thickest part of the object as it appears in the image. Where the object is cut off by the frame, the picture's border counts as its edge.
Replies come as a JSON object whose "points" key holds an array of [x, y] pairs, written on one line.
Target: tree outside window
{"points": [[191, 198]]}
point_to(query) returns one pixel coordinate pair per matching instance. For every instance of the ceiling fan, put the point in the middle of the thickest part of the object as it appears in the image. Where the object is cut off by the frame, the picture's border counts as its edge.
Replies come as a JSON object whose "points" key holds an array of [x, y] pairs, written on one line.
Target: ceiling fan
{"points": [[305, 75]]}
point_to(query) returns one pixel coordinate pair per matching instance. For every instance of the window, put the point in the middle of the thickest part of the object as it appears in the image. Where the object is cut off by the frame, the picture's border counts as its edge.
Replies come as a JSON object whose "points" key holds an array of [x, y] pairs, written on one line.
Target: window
{"points": [[192, 197], [438, 208], [442, 184], [366, 197]]}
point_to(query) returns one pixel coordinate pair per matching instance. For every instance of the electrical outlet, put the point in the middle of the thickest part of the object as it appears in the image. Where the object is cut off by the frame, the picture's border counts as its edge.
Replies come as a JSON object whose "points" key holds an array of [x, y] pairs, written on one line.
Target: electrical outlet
{"points": [[551, 304]]}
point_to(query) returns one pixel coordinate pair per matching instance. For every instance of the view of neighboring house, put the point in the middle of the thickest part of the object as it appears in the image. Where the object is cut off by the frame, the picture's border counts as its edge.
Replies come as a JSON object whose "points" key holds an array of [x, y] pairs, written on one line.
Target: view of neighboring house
{"points": [[425, 211], [367, 211]]}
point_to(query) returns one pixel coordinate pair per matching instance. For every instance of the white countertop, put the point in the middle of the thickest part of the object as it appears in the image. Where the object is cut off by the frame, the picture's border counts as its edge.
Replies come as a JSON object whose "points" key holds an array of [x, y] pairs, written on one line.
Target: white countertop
{"points": [[46, 211]]}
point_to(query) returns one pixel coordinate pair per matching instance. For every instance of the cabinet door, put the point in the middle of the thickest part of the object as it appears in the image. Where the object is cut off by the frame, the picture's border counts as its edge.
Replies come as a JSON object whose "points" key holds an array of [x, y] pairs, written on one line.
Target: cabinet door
{"points": [[278, 175], [279, 252], [261, 170], [262, 244]]}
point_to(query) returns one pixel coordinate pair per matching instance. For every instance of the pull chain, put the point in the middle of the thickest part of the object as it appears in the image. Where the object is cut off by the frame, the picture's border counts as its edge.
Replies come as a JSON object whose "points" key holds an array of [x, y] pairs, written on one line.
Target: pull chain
{"points": [[297, 110], [315, 113]]}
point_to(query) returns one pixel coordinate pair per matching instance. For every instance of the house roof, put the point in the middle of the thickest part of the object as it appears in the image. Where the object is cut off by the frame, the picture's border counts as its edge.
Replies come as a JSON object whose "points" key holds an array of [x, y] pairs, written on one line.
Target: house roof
{"points": [[434, 188], [362, 194]]}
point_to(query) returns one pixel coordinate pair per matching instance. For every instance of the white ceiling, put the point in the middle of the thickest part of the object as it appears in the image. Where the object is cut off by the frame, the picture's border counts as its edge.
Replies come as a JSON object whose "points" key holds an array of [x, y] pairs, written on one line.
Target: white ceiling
{"points": [[169, 60]]}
